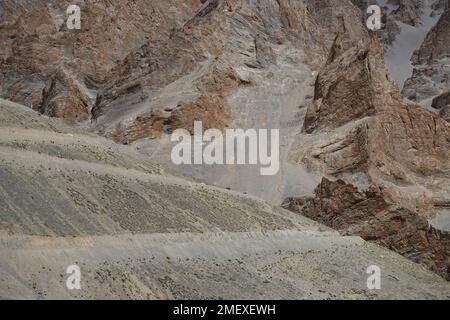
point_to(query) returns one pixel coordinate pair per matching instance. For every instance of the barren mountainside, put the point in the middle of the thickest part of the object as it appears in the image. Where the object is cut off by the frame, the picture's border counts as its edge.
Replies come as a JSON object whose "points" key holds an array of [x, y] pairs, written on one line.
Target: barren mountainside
{"points": [[86, 174]]}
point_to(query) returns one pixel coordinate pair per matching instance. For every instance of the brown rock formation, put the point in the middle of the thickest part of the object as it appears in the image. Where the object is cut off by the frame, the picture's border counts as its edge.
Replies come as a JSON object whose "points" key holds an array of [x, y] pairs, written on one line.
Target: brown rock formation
{"points": [[144, 126], [155, 65], [38, 45], [362, 132], [204, 58], [431, 75], [435, 45], [352, 85], [393, 141], [344, 96], [178, 62], [445, 113], [211, 111], [119, 65], [441, 101], [389, 29], [343, 207], [63, 97], [409, 11]]}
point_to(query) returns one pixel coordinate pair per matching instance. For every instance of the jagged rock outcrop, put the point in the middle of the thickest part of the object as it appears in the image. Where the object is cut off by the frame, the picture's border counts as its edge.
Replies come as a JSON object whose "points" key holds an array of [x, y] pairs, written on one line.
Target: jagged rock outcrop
{"points": [[405, 25], [409, 11], [40, 48], [210, 110], [431, 75], [393, 140], [359, 129], [343, 207], [344, 89], [439, 6], [139, 70], [445, 113], [204, 60], [149, 125], [441, 101], [155, 65], [389, 27], [114, 70], [63, 97], [334, 17]]}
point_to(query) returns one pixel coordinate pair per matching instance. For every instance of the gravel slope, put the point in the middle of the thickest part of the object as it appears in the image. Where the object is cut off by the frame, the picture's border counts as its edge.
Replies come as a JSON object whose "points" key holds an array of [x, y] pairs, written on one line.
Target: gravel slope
{"points": [[138, 232]]}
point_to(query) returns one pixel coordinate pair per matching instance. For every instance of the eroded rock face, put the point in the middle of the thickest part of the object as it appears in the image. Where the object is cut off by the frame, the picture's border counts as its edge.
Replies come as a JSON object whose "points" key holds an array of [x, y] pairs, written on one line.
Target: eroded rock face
{"points": [[344, 89], [335, 17], [358, 129], [365, 126], [211, 111], [155, 65], [202, 62], [111, 67], [445, 113], [409, 11], [149, 125], [431, 75], [441, 101], [435, 45], [184, 61], [397, 12], [343, 207], [63, 97], [183, 51], [40, 47]]}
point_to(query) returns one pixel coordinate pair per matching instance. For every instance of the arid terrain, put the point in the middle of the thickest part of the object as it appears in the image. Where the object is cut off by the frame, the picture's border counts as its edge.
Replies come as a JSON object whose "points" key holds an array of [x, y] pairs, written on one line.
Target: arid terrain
{"points": [[86, 175]]}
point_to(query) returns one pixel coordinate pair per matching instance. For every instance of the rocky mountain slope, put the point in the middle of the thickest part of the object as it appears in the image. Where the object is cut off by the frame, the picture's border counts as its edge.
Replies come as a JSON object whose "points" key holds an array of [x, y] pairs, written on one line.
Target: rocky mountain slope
{"points": [[359, 129], [58, 71], [405, 26], [354, 156], [139, 232], [431, 76]]}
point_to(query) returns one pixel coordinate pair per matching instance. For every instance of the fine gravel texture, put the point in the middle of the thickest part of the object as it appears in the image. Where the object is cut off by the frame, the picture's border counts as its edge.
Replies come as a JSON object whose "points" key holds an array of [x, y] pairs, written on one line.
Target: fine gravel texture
{"points": [[365, 111], [138, 232]]}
